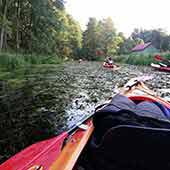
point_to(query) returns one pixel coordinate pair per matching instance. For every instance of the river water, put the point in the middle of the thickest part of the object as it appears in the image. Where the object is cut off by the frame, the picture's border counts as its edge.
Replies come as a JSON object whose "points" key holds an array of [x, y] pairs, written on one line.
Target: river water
{"points": [[49, 103]]}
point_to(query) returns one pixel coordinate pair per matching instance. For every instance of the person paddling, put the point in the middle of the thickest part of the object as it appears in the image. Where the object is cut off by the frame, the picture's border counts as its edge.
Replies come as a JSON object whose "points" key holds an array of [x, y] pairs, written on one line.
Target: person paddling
{"points": [[109, 61]]}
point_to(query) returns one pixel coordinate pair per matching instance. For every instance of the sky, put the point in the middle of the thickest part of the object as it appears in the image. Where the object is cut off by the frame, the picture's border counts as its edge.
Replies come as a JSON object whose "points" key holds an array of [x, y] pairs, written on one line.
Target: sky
{"points": [[126, 14]]}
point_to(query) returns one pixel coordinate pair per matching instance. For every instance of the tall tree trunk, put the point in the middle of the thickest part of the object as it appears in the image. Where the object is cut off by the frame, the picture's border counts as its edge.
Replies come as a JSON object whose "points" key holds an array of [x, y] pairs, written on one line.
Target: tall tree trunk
{"points": [[3, 25], [5, 41], [2, 38], [17, 31]]}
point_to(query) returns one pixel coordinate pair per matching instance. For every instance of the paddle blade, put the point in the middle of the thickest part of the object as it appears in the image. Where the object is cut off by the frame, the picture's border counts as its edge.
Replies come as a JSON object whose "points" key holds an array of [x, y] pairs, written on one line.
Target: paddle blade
{"points": [[37, 156], [136, 80]]}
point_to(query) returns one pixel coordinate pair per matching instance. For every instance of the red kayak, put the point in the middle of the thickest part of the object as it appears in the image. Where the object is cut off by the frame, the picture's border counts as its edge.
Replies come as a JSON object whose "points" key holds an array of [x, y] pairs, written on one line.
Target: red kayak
{"points": [[113, 66], [164, 69], [160, 68], [53, 154], [106, 65]]}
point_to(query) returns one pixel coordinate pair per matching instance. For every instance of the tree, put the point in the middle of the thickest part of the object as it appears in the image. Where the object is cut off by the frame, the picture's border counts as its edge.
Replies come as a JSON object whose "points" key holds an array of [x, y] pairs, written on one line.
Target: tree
{"points": [[90, 38], [126, 46], [68, 36], [75, 35], [107, 36], [38, 26], [101, 37], [4, 22]]}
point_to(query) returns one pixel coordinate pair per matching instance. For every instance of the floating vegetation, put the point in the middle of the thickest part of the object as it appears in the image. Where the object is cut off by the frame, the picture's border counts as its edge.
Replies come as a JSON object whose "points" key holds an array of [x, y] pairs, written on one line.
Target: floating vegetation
{"points": [[48, 99]]}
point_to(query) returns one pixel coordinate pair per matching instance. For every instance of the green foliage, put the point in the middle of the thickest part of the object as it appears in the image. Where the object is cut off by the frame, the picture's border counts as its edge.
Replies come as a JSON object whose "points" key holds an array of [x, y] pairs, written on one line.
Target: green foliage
{"points": [[38, 26], [68, 36], [107, 36], [44, 27], [165, 55], [139, 59], [135, 59], [90, 39], [14, 61], [100, 36], [126, 46], [120, 58]]}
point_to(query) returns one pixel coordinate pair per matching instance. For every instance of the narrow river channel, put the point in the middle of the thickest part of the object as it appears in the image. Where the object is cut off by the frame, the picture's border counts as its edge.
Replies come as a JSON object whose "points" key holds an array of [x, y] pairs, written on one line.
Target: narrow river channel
{"points": [[50, 102]]}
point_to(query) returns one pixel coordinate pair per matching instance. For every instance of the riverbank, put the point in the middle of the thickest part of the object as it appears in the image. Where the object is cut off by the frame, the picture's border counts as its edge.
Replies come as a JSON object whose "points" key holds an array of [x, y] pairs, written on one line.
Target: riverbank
{"points": [[16, 68], [139, 58], [14, 61]]}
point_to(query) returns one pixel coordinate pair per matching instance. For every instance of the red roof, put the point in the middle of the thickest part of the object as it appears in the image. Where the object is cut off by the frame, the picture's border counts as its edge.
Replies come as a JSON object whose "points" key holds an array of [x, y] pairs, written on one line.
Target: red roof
{"points": [[141, 47]]}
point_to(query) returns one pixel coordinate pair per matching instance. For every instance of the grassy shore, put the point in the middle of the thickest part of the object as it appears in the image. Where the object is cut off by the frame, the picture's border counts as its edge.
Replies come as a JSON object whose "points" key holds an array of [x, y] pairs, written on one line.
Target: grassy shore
{"points": [[139, 59], [15, 69], [9, 61]]}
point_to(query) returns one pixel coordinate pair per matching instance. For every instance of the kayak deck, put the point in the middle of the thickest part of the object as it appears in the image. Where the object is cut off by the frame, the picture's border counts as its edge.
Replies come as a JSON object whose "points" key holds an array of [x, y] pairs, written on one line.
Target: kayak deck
{"points": [[41, 153], [50, 154], [73, 148]]}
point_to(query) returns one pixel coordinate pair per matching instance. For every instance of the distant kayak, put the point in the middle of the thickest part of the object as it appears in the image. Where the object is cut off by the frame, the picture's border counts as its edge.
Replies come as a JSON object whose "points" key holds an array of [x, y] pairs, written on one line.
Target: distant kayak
{"points": [[113, 66], [160, 67], [106, 65]]}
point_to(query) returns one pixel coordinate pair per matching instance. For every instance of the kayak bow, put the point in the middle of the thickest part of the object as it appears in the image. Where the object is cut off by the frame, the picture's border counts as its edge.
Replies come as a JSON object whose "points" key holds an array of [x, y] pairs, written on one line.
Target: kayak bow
{"points": [[52, 154], [160, 68]]}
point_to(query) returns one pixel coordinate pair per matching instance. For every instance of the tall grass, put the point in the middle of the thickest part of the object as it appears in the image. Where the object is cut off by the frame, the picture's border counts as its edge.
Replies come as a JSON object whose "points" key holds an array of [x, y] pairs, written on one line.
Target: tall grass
{"points": [[13, 61], [139, 59]]}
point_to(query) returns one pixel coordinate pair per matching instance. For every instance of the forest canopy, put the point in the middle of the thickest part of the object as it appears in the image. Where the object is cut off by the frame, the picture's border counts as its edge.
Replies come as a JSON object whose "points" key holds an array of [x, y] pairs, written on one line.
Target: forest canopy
{"points": [[34, 26], [45, 27]]}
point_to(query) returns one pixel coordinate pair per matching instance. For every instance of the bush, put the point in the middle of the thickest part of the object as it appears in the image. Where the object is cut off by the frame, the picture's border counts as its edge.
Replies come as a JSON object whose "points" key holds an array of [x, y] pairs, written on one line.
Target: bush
{"points": [[139, 59], [11, 61], [166, 55]]}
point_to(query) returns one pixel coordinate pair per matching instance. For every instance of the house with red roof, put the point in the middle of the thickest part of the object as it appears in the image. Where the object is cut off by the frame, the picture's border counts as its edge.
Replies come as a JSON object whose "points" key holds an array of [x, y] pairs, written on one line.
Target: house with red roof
{"points": [[145, 48]]}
